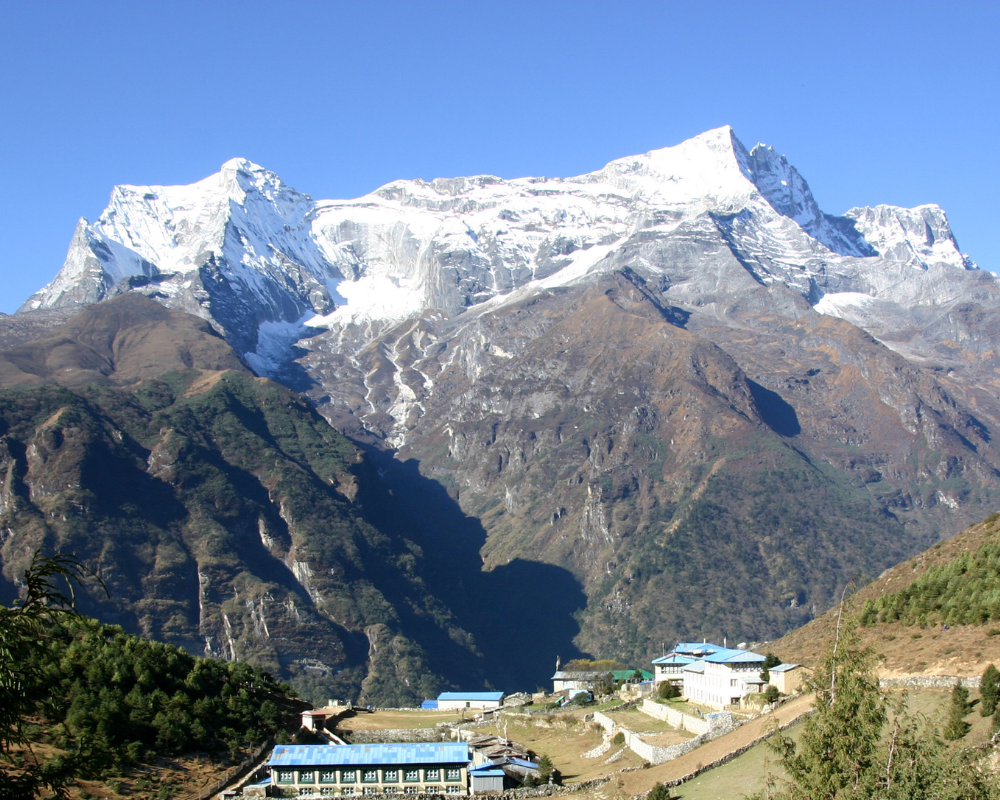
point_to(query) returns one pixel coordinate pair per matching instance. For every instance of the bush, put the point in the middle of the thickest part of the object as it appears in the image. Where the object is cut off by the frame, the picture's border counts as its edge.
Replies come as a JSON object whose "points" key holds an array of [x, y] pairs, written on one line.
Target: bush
{"points": [[771, 694], [619, 738], [668, 691]]}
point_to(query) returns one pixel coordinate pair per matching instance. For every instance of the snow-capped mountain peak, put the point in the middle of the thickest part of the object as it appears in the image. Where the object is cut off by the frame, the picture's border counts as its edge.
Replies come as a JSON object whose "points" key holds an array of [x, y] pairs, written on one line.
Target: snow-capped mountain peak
{"points": [[257, 257]]}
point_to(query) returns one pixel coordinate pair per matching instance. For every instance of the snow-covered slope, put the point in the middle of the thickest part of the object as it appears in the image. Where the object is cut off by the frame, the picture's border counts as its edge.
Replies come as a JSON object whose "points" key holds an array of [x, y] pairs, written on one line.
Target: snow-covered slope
{"points": [[260, 259]]}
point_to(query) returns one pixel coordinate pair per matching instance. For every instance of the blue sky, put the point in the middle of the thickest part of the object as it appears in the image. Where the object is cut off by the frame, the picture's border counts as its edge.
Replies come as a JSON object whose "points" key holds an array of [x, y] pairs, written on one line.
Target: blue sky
{"points": [[873, 102]]}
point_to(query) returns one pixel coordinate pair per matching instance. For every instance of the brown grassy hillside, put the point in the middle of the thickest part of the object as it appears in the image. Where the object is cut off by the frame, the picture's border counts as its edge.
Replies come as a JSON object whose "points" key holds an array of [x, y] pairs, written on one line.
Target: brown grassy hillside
{"points": [[909, 649]]}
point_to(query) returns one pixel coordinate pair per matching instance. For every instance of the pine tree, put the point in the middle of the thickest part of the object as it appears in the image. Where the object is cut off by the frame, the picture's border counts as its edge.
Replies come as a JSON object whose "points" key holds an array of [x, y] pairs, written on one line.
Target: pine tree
{"points": [[956, 726], [989, 691], [863, 745]]}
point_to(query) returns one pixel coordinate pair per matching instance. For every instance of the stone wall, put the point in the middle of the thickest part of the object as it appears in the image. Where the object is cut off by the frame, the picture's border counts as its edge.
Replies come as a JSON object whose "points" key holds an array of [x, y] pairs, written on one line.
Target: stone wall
{"points": [[928, 682], [716, 726], [678, 719], [394, 735]]}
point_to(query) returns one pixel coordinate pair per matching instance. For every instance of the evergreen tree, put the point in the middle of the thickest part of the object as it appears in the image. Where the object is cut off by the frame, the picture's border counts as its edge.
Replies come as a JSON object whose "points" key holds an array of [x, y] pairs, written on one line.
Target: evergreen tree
{"points": [[989, 691], [770, 660], [956, 726], [861, 745], [23, 639]]}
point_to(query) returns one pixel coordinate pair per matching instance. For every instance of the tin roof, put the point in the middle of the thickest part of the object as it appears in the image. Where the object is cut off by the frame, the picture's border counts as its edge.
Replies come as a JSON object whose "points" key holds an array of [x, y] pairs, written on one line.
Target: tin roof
{"points": [[783, 668], [351, 755], [672, 659], [487, 771], [494, 696], [727, 655], [629, 674], [694, 666]]}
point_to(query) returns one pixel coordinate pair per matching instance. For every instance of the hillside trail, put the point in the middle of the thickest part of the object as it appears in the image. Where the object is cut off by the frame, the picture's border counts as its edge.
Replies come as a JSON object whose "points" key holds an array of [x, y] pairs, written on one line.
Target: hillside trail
{"points": [[632, 783]]}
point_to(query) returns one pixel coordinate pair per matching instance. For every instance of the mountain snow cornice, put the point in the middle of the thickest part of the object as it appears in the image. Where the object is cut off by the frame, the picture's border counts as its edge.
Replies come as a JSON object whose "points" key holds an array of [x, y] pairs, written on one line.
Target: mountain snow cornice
{"points": [[260, 260]]}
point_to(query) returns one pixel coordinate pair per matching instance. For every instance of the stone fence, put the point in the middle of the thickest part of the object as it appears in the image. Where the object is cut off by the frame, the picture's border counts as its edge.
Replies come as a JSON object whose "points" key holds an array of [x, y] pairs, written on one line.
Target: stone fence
{"points": [[928, 682], [678, 719], [715, 726], [363, 736]]}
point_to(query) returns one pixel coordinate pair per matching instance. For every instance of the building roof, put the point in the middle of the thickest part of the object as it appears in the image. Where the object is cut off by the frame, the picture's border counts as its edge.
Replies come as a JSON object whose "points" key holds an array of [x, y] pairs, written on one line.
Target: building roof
{"points": [[673, 658], [350, 755], [784, 668], [479, 696], [487, 771], [727, 655], [577, 676], [628, 674], [694, 666], [697, 648]]}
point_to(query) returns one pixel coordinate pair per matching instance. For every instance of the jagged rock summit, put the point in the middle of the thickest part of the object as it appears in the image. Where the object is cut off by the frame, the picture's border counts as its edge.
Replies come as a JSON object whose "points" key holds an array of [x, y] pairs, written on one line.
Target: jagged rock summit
{"points": [[259, 259]]}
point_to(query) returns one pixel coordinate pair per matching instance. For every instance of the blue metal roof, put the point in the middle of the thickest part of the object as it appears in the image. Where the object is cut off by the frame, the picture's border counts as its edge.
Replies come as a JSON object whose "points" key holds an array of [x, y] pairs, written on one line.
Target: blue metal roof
{"points": [[487, 771], [522, 763], [727, 655], [696, 647], [357, 755], [672, 659], [495, 696]]}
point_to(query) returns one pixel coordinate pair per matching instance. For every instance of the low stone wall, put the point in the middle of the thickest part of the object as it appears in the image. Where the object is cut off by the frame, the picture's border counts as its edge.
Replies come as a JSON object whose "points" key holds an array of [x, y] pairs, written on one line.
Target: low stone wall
{"points": [[928, 682], [657, 755], [387, 736], [678, 719]]}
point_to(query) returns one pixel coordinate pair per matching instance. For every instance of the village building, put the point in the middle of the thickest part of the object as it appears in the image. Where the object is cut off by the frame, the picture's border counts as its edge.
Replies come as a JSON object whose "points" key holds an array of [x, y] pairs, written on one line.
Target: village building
{"points": [[458, 700], [723, 677], [369, 769], [670, 668], [787, 678], [563, 680]]}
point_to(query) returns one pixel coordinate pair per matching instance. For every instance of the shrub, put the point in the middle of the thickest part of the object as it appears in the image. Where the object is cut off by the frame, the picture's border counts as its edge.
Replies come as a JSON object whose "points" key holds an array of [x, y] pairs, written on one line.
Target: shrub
{"points": [[668, 691]]}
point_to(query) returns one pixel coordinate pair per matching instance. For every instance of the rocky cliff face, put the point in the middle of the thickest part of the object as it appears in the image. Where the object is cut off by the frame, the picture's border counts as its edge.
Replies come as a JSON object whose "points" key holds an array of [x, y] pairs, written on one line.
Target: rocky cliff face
{"points": [[699, 401], [221, 510]]}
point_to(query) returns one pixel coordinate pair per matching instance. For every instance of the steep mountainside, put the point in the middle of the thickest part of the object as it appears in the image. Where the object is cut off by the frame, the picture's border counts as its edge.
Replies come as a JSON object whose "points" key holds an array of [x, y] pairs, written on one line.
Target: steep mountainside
{"points": [[224, 514], [676, 387]]}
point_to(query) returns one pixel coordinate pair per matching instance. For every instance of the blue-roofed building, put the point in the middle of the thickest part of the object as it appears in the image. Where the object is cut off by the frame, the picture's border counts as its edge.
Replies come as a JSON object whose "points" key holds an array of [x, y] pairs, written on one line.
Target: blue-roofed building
{"points": [[670, 668], [716, 676], [369, 769], [457, 700]]}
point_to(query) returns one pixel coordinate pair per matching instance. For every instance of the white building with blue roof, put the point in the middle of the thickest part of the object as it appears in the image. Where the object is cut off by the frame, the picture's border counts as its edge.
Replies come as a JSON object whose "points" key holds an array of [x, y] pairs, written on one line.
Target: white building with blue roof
{"points": [[457, 700], [369, 769], [722, 676]]}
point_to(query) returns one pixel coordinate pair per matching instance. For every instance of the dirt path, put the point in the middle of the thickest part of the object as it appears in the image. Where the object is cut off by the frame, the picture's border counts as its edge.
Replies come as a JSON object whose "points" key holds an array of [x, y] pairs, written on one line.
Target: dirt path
{"points": [[632, 783]]}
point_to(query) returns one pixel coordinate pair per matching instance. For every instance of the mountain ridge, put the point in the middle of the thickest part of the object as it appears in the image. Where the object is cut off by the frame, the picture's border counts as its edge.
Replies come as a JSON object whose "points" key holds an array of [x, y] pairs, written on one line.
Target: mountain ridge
{"points": [[638, 382]]}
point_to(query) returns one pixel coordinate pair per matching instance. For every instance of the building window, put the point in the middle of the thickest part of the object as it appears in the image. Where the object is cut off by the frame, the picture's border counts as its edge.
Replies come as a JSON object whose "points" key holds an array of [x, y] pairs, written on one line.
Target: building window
{"points": [[307, 776], [432, 774], [348, 775], [371, 790], [732, 682], [390, 775], [390, 789], [454, 790], [306, 791], [286, 776], [326, 791], [328, 776], [410, 790], [369, 776], [411, 775], [348, 791], [453, 774]]}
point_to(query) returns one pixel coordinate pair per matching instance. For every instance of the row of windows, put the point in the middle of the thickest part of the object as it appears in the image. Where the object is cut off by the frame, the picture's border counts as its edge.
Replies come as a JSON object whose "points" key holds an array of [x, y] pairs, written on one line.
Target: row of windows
{"points": [[409, 775], [350, 791]]}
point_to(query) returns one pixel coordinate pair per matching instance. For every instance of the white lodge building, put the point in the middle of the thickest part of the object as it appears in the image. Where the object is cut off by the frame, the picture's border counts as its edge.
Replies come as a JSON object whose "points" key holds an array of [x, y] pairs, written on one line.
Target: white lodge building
{"points": [[723, 677]]}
